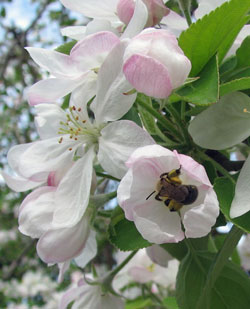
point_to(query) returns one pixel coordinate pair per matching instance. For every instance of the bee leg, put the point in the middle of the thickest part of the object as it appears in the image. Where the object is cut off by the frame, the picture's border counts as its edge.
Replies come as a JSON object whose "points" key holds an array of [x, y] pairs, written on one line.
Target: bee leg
{"points": [[157, 197], [174, 206]]}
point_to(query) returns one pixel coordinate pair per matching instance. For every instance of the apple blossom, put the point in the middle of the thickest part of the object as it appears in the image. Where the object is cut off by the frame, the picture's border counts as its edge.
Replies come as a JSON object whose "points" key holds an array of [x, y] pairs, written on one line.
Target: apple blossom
{"points": [[77, 71], [69, 144], [90, 297], [153, 219], [141, 269], [154, 63]]}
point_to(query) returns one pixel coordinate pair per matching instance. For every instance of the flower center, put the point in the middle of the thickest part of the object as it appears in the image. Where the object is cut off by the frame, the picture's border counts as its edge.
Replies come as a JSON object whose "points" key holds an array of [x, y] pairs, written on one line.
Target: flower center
{"points": [[78, 128]]}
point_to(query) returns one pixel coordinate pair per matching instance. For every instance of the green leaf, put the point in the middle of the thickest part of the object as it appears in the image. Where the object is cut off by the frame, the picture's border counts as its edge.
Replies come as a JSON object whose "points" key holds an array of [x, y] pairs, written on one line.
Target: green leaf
{"points": [[235, 85], [132, 115], [223, 124], [214, 33], [224, 189], [219, 240], [123, 233], [66, 48], [230, 291], [171, 303], [139, 303], [205, 90], [242, 54]]}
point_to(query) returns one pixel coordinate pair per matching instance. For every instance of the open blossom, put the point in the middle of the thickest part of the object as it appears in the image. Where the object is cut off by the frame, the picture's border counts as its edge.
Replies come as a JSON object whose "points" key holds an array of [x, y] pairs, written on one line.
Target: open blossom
{"points": [[153, 212], [154, 63], [142, 269], [90, 297], [77, 71], [63, 161]]}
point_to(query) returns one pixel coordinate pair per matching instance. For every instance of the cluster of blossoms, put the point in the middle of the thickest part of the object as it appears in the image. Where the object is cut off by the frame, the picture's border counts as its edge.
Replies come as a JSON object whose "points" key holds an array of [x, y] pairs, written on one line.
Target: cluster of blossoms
{"points": [[167, 195]]}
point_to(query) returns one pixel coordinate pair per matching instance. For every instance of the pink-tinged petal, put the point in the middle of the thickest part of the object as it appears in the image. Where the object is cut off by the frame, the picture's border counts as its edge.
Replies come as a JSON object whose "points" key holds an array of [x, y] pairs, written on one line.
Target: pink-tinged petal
{"points": [[137, 22], [36, 212], [60, 245], [89, 251], [72, 195], [125, 10], [193, 169], [157, 224], [52, 89], [161, 46], [90, 52], [241, 200], [158, 255], [63, 267], [41, 157], [138, 183], [199, 220], [111, 101], [20, 184], [147, 75], [102, 9], [45, 120], [117, 142], [157, 10], [58, 64], [155, 155]]}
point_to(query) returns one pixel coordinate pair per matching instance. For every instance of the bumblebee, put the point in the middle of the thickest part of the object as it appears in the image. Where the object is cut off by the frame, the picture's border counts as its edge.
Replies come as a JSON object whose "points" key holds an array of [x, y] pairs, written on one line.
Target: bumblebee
{"points": [[172, 192]]}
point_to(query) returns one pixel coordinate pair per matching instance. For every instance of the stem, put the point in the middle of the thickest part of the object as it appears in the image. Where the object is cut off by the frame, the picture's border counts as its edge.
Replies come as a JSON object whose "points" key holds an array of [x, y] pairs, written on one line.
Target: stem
{"points": [[152, 294], [120, 266], [163, 120], [106, 176], [226, 251], [179, 122], [99, 200], [193, 253], [218, 167], [184, 6]]}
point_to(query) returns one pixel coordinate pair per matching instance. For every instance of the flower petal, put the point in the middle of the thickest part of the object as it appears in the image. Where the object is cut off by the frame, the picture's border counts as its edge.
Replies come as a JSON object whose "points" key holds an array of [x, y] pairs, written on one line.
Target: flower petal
{"points": [[72, 195], [45, 120], [111, 101], [49, 90], [60, 245], [20, 184], [199, 220], [137, 22], [103, 9], [88, 252], [60, 65], [241, 201], [117, 142], [42, 156], [158, 255], [90, 52], [157, 224], [36, 212], [148, 75]]}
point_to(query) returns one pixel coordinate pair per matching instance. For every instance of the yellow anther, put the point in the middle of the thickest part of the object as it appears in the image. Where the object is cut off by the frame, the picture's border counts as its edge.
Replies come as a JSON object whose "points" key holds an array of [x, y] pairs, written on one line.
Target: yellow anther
{"points": [[79, 109], [60, 140], [246, 111], [83, 121], [70, 149]]}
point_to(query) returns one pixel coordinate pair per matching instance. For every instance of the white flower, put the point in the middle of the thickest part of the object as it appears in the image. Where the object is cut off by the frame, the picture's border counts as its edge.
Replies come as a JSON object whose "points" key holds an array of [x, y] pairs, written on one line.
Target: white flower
{"points": [[90, 297], [141, 269], [141, 187], [244, 252]]}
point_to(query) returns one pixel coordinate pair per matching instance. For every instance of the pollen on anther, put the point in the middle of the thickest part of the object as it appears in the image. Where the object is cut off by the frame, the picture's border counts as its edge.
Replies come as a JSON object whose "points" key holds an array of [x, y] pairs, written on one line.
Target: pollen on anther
{"points": [[70, 149], [60, 140], [246, 111], [83, 121], [77, 118], [74, 108], [76, 138], [79, 109]]}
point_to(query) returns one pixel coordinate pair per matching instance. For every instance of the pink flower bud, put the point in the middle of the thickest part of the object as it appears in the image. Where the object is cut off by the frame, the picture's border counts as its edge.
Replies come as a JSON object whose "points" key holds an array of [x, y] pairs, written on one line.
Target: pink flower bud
{"points": [[155, 64], [156, 11]]}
